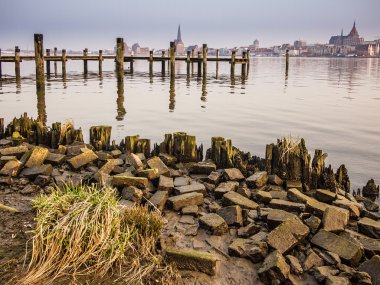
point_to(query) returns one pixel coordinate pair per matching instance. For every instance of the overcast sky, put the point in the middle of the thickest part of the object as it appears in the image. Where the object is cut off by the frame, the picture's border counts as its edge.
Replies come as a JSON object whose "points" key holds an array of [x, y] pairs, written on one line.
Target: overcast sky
{"points": [[75, 24]]}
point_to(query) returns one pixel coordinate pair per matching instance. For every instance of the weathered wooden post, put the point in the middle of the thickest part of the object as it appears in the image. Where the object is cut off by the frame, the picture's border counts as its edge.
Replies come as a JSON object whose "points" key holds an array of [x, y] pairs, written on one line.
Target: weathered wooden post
{"points": [[64, 59], [48, 63], [188, 63], [120, 59], [1, 128], [287, 62], [55, 62], [100, 137], [248, 62], [131, 64], [204, 54], [172, 58], [39, 59], [1, 71], [199, 64], [100, 62], [169, 59], [217, 64], [192, 61], [163, 63], [17, 63], [150, 63], [85, 66], [232, 62], [243, 66]]}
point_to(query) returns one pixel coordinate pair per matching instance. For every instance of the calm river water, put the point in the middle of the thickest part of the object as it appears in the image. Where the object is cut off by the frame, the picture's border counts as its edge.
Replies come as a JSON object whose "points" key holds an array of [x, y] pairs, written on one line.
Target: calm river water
{"points": [[333, 103]]}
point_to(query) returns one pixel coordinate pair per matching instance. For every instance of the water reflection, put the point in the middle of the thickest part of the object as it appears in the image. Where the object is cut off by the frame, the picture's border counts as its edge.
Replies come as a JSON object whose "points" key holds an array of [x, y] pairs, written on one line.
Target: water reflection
{"points": [[120, 99], [172, 93], [41, 105]]}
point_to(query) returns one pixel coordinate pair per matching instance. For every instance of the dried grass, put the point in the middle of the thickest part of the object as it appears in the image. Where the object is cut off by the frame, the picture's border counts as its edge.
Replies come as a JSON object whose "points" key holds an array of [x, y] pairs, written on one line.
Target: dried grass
{"points": [[288, 146], [84, 236]]}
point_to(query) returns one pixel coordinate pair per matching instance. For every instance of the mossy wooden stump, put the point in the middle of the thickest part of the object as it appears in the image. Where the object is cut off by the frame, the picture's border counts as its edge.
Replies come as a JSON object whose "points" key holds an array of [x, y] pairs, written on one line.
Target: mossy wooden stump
{"points": [[1, 128], [182, 146], [221, 152], [100, 137], [133, 144]]}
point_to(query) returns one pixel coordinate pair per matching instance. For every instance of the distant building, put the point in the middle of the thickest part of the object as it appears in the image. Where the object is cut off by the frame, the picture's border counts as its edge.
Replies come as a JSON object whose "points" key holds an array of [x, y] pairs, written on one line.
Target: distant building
{"points": [[352, 39], [299, 44], [136, 48], [255, 46], [191, 48], [179, 46], [368, 49]]}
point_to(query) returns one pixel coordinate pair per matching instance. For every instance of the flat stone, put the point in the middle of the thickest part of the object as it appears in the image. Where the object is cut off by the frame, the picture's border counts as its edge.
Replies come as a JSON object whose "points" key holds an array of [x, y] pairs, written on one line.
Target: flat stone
{"points": [[182, 181], [188, 199], [190, 210], [134, 160], [322, 272], [110, 164], [233, 198], [337, 280], [37, 156], [370, 245], [325, 196], [214, 178], [32, 172], [232, 215], [203, 167], [275, 269], [11, 168], [369, 227], [354, 208], [372, 267], [275, 180], [132, 193], [313, 223], [262, 196], [370, 205], [156, 163], [249, 230], [5, 142], [275, 217], [335, 219], [116, 153], [151, 174], [17, 151], [244, 191], [125, 179], [159, 199], [192, 260], [169, 160], [82, 159], [316, 208], [287, 205], [55, 158], [295, 265], [296, 195], [224, 188], [294, 184], [287, 235], [213, 223], [339, 245], [233, 174], [312, 260], [165, 184], [187, 219], [194, 187], [256, 251], [29, 189], [73, 150], [6, 180], [257, 180]]}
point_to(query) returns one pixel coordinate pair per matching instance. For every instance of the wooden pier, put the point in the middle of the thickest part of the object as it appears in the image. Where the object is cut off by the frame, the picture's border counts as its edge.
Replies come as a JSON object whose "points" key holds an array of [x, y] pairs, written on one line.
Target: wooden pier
{"points": [[41, 59]]}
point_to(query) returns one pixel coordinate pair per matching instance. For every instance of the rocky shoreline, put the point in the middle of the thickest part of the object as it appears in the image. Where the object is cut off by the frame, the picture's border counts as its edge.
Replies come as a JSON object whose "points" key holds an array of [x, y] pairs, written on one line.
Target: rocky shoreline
{"points": [[232, 218]]}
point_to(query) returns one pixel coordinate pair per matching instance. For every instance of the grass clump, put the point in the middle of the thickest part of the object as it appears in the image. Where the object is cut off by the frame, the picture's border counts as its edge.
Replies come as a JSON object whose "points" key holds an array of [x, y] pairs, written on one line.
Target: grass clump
{"points": [[83, 235], [288, 146]]}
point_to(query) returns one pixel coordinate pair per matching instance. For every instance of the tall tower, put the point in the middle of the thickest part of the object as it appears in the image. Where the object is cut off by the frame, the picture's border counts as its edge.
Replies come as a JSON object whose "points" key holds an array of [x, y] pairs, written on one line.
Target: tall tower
{"points": [[180, 47]]}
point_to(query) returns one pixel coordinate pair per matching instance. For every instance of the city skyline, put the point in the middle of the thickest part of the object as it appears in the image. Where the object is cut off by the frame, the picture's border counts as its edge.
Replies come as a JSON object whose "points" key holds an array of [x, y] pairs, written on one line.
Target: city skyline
{"points": [[273, 24]]}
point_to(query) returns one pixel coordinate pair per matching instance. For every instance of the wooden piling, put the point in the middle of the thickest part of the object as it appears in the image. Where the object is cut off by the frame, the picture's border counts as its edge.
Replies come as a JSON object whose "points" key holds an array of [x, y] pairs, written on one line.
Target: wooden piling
{"points": [[1, 128], [199, 64], [39, 59], [244, 66], [1, 71], [100, 62], [150, 63], [248, 62], [131, 65], [64, 59], [163, 63], [172, 58], [55, 52], [17, 63], [188, 63], [287, 62], [204, 54], [233, 55], [120, 59], [85, 65], [217, 64], [100, 137], [192, 62], [48, 63]]}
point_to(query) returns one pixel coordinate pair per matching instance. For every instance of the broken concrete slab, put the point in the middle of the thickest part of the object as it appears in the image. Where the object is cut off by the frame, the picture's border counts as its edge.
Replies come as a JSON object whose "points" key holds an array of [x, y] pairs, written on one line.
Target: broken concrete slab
{"points": [[181, 201], [369, 227], [194, 187], [233, 174], [213, 223], [32, 172], [159, 199], [287, 205], [214, 178], [233, 198], [275, 217], [335, 219], [82, 159], [165, 184], [157, 163], [224, 188], [232, 215], [257, 180], [325, 196]]}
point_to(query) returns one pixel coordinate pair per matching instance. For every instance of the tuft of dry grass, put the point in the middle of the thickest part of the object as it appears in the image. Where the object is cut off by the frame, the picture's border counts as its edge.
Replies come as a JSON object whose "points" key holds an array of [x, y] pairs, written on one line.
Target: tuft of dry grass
{"points": [[82, 233], [288, 146]]}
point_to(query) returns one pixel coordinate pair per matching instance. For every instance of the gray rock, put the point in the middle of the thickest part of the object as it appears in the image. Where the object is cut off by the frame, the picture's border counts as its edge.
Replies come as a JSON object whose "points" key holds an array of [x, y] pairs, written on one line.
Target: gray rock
{"points": [[372, 267], [274, 270], [159, 199], [294, 184], [312, 260], [156, 163], [82, 159], [257, 180], [322, 272], [256, 251], [233, 174], [194, 187], [181, 201], [182, 181], [214, 178], [275, 217], [295, 265], [213, 223], [190, 210], [325, 196], [203, 167], [287, 205], [233, 198], [165, 184], [224, 188], [275, 180], [32, 172], [262, 196], [232, 215], [249, 230], [313, 223], [132, 193], [369, 227]]}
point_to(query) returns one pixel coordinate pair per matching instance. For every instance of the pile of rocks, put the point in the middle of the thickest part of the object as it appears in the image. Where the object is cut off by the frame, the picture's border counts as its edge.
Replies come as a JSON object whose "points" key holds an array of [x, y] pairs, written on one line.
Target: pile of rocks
{"points": [[283, 231]]}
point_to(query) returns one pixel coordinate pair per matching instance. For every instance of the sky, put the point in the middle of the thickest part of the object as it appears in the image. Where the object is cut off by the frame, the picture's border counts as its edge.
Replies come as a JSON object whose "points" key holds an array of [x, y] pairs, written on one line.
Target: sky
{"points": [[95, 24]]}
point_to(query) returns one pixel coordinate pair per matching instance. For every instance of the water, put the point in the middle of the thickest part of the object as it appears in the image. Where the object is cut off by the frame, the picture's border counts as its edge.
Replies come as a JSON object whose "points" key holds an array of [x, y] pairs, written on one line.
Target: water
{"points": [[333, 103]]}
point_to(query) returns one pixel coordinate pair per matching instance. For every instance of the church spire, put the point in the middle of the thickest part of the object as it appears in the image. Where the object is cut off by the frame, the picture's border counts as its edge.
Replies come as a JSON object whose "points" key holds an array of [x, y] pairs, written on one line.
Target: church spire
{"points": [[179, 34], [354, 32]]}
